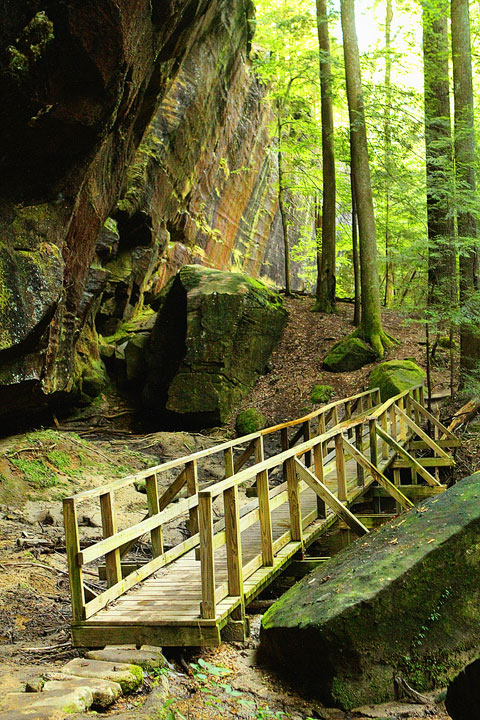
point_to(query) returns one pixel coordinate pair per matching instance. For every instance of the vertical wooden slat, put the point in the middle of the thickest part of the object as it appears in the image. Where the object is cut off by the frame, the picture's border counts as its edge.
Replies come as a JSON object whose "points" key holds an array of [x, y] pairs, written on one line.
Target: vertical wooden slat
{"points": [[335, 415], [229, 464], [359, 446], [422, 396], [284, 444], [416, 396], [348, 415], [109, 527], [340, 464], [369, 401], [264, 507], [397, 480], [378, 397], [373, 442], [207, 560], [384, 424], [318, 464], [233, 542], [72, 544], [192, 489], [154, 508], [393, 421], [321, 424], [294, 501], [307, 434], [403, 427]]}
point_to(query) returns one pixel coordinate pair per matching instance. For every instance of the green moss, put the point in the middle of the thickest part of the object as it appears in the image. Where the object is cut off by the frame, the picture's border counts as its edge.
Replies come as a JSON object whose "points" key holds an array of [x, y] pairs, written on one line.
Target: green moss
{"points": [[129, 686], [321, 394], [60, 460], [395, 376], [348, 354], [250, 421], [36, 472]]}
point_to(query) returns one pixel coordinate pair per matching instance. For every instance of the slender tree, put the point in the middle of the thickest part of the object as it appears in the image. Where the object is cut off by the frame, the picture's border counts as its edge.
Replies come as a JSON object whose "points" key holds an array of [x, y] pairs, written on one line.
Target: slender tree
{"points": [[356, 264], [371, 324], [326, 277], [387, 130], [439, 159], [465, 182]]}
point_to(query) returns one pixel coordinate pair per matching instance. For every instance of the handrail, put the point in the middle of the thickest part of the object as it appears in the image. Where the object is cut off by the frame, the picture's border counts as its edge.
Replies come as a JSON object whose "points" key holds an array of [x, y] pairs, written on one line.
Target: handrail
{"points": [[178, 462], [199, 503]]}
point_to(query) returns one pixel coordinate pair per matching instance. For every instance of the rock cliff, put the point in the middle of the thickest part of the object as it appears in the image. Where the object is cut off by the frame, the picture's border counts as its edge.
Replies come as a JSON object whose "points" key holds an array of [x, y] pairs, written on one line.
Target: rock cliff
{"points": [[142, 111]]}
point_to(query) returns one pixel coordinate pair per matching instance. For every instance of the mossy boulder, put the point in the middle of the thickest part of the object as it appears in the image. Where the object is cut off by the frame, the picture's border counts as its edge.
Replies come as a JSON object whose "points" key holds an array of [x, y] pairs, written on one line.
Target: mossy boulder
{"points": [[212, 338], [395, 376], [402, 601], [321, 394], [249, 421], [348, 354]]}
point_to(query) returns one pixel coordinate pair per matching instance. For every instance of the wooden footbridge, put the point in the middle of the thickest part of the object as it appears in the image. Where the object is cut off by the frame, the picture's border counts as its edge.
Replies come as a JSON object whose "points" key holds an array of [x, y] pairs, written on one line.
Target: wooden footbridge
{"points": [[323, 466]]}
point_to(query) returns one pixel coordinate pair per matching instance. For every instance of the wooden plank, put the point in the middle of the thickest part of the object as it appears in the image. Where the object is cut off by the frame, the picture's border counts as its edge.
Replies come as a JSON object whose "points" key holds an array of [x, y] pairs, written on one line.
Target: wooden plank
{"points": [[294, 501], [244, 456], [109, 527], [72, 545], [265, 513], [400, 450], [359, 446], [94, 636], [207, 560], [425, 462], [191, 474], [384, 424], [372, 428], [411, 491], [318, 455], [448, 443], [332, 501], [378, 476], [421, 434], [153, 509], [340, 466]]}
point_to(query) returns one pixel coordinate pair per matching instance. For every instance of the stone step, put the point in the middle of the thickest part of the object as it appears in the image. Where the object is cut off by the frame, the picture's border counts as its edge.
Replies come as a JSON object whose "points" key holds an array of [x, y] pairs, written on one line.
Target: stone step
{"points": [[148, 657], [127, 675], [53, 705], [104, 692]]}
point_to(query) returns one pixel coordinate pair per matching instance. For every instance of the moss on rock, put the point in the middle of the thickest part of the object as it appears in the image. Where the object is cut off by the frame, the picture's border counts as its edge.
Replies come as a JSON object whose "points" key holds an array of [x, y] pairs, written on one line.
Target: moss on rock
{"points": [[395, 376], [400, 601], [249, 421], [348, 354], [321, 394], [212, 338]]}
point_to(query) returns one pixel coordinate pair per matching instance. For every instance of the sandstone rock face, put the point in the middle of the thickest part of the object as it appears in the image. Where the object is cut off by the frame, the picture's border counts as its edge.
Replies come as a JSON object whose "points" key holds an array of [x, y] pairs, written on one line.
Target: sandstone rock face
{"points": [[142, 110], [402, 601], [212, 338]]}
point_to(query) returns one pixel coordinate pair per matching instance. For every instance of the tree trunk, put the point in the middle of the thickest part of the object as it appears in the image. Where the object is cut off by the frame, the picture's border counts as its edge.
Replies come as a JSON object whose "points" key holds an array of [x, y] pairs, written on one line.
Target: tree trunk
{"points": [[439, 160], [326, 279], [371, 327], [465, 181], [387, 130], [356, 263], [281, 206]]}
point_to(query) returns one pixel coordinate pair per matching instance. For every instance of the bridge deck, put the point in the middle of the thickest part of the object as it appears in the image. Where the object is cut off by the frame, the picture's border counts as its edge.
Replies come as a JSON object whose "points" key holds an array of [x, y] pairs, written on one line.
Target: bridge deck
{"points": [[168, 608]]}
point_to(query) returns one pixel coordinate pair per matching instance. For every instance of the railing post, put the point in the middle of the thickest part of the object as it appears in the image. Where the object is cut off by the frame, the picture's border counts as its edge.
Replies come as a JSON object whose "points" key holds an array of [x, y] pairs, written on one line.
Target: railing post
{"points": [[334, 416], [422, 395], [109, 526], [307, 434], [359, 446], [264, 506], [348, 415], [233, 542], [154, 508], [294, 501], [384, 424], [318, 465], [284, 445], [72, 544], [378, 397], [416, 396], [373, 442], [340, 465], [192, 489], [403, 429], [321, 424], [207, 559], [229, 463], [393, 421], [368, 401]]}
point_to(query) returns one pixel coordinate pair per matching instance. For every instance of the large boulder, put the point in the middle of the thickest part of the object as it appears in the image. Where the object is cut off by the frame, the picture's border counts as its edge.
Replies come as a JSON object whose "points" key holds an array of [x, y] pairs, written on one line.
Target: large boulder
{"points": [[348, 354], [395, 376], [402, 602], [212, 338]]}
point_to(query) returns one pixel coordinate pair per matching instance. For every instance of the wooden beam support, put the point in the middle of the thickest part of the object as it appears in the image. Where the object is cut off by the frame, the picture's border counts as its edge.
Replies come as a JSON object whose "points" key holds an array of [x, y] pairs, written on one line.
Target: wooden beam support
{"points": [[72, 544], [378, 476], [109, 526], [400, 450], [153, 509], [421, 434], [332, 501], [294, 501], [207, 560]]}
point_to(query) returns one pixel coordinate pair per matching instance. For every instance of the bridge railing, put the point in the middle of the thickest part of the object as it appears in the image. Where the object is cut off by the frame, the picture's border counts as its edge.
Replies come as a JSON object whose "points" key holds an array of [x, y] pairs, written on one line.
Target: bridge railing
{"points": [[356, 416]]}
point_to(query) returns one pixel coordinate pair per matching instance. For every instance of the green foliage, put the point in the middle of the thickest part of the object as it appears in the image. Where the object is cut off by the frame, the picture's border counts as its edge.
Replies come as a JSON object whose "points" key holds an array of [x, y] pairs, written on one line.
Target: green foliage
{"points": [[36, 472], [321, 394]]}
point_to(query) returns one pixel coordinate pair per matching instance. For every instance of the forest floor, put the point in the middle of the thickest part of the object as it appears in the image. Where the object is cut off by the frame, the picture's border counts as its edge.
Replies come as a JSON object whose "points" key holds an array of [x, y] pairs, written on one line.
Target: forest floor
{"points": [[103, 441]]}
